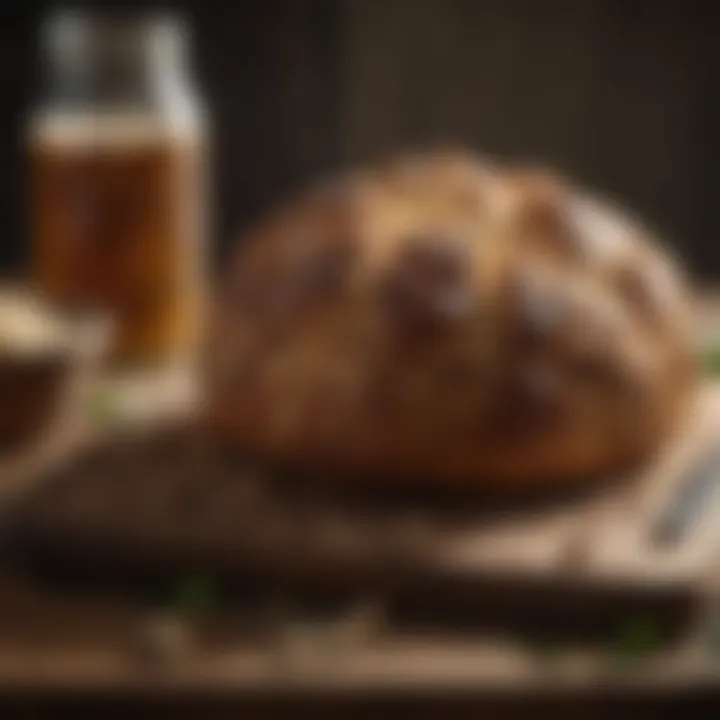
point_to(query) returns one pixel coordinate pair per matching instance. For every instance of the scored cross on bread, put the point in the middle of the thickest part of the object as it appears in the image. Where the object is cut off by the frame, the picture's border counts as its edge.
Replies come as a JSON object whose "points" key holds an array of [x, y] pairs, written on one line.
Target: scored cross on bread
{"points": [[442, 319]]}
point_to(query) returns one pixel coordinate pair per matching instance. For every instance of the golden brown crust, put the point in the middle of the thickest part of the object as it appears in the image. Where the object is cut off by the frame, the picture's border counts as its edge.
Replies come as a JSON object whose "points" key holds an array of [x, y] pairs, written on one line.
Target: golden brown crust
{"points": [[441, 319]]}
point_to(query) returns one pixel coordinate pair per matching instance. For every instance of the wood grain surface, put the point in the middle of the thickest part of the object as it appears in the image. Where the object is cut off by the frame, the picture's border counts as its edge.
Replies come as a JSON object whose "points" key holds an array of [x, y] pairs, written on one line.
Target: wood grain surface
{"points": [[53, 639]]}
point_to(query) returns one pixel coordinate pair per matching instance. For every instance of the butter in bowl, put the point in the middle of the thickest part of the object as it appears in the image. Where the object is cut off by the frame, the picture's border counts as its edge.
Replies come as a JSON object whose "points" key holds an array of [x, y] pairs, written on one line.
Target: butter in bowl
{"points": [[45, 359]]}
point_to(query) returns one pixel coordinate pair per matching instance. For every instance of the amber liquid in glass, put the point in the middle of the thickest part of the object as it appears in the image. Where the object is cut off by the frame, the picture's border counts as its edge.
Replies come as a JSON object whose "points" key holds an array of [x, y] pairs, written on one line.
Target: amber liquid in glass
{"points": [[117, 215]]}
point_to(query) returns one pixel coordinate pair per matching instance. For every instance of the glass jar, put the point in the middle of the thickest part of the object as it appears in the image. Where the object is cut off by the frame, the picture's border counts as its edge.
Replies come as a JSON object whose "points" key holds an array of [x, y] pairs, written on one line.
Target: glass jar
{"points": [[117, 149]]}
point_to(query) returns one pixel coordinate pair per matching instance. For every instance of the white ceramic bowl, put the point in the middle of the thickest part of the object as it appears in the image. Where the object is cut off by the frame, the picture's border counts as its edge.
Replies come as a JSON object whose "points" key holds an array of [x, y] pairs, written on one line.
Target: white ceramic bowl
{"points": [[45, 359]]}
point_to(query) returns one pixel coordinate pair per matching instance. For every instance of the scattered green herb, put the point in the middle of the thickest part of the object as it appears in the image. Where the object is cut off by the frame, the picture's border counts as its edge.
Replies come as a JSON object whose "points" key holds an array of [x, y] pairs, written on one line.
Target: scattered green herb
{"points": [[711, 359], [636, 639], [711, 638], [547, 651], [195, 595], [104, 409]]}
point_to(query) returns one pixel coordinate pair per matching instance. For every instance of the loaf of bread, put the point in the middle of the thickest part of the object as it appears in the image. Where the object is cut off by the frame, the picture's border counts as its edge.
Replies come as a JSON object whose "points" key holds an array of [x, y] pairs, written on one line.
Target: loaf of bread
{"points": [[439, 319]]}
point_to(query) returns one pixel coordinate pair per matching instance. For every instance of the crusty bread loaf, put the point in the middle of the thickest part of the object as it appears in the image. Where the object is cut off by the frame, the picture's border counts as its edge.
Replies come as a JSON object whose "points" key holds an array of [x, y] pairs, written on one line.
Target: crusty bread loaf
{"points": [[439, 319]]}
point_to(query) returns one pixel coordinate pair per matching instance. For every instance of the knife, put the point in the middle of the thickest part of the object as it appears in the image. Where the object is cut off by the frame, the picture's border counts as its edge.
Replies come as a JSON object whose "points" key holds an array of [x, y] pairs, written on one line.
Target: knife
{"points": [[695, 496]]}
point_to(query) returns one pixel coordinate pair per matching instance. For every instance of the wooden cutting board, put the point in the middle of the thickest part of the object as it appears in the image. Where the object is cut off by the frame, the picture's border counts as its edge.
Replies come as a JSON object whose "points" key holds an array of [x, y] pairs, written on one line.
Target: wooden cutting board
{"points": [[139, 511]]}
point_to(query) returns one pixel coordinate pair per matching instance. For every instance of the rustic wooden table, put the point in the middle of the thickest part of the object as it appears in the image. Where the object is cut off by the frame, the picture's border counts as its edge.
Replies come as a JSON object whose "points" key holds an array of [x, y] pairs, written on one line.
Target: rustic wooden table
{"points": [[61, 646]]}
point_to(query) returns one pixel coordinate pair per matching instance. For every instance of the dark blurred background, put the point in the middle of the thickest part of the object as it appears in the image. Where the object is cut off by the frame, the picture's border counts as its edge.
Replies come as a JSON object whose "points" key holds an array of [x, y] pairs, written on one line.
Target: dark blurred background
{"points": [[619, 93]]}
